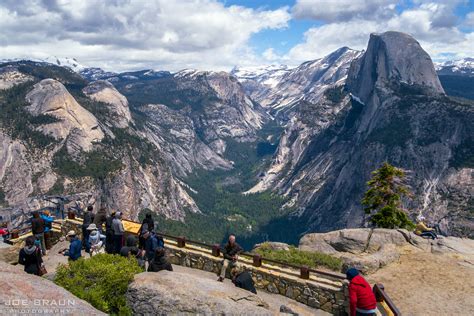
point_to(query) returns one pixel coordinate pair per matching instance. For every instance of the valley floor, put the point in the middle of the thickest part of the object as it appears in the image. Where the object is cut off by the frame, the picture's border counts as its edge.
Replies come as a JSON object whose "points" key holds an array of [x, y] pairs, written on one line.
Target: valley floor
{"points": [[430, 284]]}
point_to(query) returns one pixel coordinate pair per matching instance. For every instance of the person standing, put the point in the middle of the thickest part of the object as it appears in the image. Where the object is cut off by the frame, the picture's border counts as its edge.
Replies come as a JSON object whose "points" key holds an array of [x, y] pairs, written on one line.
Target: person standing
{"points": [[231, 254], [30, 257], [362, 300], [117, 227], [87, 220], [109, 233], [147, 225], [48, 225], [100, 218], [37, 228]]}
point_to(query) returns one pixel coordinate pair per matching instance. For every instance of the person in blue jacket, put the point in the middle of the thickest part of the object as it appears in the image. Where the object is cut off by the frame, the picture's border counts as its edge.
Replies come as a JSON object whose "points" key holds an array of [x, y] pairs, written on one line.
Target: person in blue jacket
{"points": [[74, 251], [48, 224]]}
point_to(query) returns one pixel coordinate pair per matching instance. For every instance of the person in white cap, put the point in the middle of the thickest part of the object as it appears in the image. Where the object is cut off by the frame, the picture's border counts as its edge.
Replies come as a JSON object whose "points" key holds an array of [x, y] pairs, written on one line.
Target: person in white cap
{"points": [[75, 247], [423, 230], [95, 240]]}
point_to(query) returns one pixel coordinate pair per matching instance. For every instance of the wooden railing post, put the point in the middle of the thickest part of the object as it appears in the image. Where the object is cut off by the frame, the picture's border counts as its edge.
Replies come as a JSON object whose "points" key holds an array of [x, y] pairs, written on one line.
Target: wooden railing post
{"points": [[181, 241], [216, 250], [304, 272], [257, 260]]}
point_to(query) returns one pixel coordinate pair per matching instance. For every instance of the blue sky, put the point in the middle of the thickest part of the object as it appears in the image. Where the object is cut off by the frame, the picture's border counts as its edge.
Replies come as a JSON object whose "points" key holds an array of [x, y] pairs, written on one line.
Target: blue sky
{"points": [[219, 34]]}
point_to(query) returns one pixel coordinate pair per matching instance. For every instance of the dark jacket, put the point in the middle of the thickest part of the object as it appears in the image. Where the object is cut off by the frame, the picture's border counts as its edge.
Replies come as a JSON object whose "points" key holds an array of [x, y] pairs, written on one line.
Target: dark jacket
{"points": [[31, 259], [147, 225], [130, 247], [232, 250], [158, 264], [108, 224], [360, 295], [100, 218], [87, 219], [151, 244], [75, 248], [244, 281], [37, 226]]}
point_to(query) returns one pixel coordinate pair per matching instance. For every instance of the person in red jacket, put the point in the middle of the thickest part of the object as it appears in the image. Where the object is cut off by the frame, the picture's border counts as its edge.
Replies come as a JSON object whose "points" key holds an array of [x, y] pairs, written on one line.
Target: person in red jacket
{"points": [[361, 298]]}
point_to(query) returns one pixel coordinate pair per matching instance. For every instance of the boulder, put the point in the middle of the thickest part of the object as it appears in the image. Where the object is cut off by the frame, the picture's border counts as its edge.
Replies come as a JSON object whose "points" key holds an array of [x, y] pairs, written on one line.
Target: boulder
{"points": [[370, 249], [166, 292], [22, 293]]}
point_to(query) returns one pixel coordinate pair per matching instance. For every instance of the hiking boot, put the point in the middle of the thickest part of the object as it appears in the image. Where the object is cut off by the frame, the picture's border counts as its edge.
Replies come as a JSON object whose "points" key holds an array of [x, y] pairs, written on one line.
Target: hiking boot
{"points": [[221, 279]]}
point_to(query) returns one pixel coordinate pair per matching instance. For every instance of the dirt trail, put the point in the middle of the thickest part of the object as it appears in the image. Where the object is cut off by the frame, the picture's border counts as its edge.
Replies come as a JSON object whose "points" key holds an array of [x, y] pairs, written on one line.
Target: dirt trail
{"points": [[430, 284]]}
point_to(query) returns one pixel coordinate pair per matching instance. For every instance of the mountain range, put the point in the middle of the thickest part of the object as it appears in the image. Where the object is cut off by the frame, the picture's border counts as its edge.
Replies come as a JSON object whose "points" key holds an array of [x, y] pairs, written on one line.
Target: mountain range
{"points": [[266, 152]]}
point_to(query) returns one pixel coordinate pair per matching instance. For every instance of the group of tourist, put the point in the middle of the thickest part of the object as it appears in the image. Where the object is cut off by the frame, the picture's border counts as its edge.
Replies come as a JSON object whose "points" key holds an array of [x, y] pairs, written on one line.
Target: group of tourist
{"points": [[148, 249], [150, 252]]}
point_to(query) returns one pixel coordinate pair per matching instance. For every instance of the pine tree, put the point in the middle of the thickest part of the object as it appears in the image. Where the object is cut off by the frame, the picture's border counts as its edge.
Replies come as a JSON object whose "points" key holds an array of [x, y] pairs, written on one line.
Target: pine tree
{"points": [[384, 196]]}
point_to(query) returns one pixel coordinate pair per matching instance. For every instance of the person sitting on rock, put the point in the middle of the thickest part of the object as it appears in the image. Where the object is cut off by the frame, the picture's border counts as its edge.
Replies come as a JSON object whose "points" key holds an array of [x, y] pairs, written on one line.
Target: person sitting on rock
{"points": [[361, 298], [30, 256], [95, 240], [242, 278], [159, 262], [75, 247], [423, 230], [231, 254]]}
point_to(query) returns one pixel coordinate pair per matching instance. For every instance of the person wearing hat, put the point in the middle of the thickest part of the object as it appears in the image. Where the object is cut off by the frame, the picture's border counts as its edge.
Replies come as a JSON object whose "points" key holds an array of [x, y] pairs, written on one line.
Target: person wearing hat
{"points": [[95, 240], [75, 247], [362, 300], [423, 230]]}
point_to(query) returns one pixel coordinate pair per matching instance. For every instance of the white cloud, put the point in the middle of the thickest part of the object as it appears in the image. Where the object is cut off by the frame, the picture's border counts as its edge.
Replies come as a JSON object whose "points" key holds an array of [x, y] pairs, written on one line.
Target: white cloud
{"points": [[424, 22], [343, 10], [118, 34]]}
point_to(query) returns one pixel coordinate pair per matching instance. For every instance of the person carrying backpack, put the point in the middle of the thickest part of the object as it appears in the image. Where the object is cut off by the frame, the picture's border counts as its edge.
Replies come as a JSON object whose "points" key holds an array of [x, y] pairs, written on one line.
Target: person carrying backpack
{"points": [[37, 228], [152, 242]]}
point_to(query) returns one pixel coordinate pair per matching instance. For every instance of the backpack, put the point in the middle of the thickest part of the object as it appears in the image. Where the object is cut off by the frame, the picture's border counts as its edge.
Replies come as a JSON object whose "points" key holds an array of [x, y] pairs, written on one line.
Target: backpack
{"points": [[161, 242]]}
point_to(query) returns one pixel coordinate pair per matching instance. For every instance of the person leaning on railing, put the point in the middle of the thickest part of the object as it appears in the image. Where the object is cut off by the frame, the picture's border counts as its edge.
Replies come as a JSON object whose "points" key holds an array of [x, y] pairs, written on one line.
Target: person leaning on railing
{"points": [[231, 253], [362, 300]]}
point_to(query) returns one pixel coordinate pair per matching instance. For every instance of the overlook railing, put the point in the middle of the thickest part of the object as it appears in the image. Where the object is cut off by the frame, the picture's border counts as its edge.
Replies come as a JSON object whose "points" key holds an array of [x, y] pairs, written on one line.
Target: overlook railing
{"points": [[383, 300]]}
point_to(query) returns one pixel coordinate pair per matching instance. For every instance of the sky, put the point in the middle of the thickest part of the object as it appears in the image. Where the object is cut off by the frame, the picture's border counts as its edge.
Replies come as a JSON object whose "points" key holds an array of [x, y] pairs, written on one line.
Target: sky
{"points": [[122, 35]]}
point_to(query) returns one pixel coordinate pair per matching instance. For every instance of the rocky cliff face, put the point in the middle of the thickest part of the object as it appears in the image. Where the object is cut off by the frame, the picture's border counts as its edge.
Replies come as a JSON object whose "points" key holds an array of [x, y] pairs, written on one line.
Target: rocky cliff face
{"points": [[76, 124], [305, 83], [393, 109], [105, 92], [85, 148]]}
